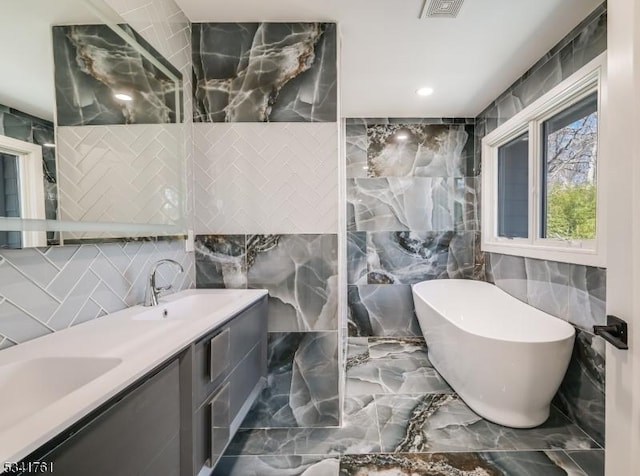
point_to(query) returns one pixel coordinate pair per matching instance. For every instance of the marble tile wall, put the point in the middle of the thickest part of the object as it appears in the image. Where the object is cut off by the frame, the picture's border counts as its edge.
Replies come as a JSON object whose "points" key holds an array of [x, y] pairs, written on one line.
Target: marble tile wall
{"points": [[93, 63], [265, 72], [576, 294], [301, 274], [411, 215], [44, 290]]}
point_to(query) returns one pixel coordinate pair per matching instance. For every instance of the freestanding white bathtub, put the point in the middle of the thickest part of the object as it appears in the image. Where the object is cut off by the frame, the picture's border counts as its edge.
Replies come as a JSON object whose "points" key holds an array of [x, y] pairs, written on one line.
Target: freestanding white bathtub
{"points": [[503, 357]]}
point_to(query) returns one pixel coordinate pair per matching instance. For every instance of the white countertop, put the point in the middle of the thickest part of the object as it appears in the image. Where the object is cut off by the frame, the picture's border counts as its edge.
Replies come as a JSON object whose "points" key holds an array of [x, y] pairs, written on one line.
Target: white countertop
{"points": [[141, 344]]}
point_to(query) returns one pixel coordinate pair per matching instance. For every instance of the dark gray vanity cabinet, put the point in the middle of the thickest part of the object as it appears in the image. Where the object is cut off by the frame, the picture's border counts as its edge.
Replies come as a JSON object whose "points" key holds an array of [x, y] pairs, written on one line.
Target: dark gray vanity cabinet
{"points": [[229, 368], [137, 435], [178, 419]]}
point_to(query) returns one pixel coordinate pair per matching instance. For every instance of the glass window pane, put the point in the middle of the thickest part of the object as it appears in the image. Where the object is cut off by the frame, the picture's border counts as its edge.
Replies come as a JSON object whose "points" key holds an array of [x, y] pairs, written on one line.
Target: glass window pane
{"points": [[569, 172], [513, 188]]}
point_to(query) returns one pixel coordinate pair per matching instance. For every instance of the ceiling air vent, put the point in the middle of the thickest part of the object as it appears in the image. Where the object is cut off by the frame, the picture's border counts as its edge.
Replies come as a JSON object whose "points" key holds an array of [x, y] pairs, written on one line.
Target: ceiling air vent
{"points": [[441, 8]]}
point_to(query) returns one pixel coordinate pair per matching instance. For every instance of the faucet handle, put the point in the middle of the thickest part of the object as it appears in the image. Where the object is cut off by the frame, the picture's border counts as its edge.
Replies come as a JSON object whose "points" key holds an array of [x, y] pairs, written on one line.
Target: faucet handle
{"points": [[164, 288]]}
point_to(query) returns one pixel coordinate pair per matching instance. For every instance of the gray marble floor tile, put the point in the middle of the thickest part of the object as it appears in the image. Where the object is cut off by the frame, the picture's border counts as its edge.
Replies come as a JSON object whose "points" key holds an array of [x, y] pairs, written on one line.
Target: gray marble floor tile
{"points": [[425, 423], [382, 310], [393, 366], [591, 461], [359, 434], [284, 465], [504, 463]]}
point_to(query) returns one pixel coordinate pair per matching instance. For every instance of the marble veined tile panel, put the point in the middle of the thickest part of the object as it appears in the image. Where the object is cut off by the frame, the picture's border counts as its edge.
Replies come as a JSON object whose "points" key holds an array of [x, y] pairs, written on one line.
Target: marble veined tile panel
{"points": [[382, 311], [302, 382], [408, 257], [410, 203], [301, 274], [221, 261], [265, 72], [92, 64], [404, 150]]}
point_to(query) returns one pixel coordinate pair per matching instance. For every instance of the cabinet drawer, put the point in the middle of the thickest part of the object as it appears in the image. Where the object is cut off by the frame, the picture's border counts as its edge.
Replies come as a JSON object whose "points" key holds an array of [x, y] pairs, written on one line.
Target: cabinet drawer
{"points": [[211, 364], [212, 428], [220, 352]]}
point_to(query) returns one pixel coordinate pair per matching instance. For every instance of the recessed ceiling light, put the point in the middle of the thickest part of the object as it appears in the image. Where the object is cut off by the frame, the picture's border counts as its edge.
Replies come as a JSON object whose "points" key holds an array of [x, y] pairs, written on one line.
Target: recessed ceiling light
{"points": [[402, 136], [123, 97], [424, 91], [48, 144]]}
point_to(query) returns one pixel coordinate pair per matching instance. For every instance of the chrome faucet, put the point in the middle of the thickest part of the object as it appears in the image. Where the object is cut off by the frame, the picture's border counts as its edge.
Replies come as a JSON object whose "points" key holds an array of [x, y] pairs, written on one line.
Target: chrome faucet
{"points": [[152, 292]]}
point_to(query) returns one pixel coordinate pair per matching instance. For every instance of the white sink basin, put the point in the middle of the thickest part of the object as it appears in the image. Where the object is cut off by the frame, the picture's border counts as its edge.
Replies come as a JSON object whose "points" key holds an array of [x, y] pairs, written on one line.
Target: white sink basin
{"points": [[30, 385], [196, 304]]}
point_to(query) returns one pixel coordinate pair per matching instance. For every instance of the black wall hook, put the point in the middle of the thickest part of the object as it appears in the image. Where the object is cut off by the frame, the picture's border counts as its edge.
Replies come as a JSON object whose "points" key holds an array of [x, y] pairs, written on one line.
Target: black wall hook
{"points": [[615, 332]]}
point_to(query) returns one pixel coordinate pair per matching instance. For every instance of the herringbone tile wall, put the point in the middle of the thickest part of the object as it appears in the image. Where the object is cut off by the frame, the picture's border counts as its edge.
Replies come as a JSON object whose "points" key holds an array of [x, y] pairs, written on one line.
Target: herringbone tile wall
{"points": [[43, 290], [163, 24], [122, 174], [262, 178]]}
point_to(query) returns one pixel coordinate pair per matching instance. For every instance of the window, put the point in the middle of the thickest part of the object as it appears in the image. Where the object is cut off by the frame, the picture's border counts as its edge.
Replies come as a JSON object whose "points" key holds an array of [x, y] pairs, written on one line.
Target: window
{"points": [[540, 176]]}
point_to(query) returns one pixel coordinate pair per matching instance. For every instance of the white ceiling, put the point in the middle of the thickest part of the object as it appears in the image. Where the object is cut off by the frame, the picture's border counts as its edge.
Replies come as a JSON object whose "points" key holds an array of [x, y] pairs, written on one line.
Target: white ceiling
{"points": [[387, 52]]}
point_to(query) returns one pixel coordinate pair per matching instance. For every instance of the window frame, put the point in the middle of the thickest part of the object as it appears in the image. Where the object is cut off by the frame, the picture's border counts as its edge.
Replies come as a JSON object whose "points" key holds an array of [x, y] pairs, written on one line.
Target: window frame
{"points": [[589, 79]]}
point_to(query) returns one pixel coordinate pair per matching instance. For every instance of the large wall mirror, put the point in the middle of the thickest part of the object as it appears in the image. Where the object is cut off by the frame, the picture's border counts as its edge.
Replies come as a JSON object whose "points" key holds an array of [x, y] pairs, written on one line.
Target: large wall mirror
{"points": [[91, 128]]}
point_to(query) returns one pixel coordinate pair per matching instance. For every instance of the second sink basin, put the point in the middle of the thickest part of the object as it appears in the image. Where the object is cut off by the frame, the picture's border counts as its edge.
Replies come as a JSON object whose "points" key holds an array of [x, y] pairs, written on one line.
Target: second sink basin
{"points": [[30, 385]]}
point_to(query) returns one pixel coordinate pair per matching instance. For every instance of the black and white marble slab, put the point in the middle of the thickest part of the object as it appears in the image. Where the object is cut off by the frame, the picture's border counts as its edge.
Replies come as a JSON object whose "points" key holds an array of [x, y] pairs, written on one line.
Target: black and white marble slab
{"points": [[221, 261], [443, 422], [392, 366], [261, 72], [418, 150], [302, 382], [516, 463], [282, 465], [410, 257], [382, 311], [358, 434], [582, 393], [301, 274], [411, 203], [92, 63]]}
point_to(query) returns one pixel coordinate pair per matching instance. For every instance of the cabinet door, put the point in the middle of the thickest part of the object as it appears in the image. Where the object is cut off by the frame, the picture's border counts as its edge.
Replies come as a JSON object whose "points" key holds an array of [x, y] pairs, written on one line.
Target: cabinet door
{"points": [[138, 435]]}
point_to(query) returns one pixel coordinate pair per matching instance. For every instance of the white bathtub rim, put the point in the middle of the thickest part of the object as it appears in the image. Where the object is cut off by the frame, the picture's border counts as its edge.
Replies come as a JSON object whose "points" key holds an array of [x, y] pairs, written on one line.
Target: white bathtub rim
{"points": [[536, 327]]}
